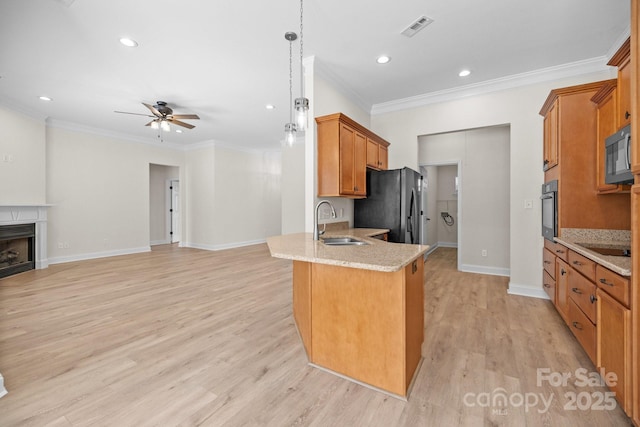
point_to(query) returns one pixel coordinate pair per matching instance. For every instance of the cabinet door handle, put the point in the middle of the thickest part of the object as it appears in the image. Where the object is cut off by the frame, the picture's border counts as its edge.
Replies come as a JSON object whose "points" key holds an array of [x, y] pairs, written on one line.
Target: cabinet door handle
{"points": [[577, 325], [562, 271], [577, 291], [414, 267], [604, 282], [592, 298], [626, 115]]}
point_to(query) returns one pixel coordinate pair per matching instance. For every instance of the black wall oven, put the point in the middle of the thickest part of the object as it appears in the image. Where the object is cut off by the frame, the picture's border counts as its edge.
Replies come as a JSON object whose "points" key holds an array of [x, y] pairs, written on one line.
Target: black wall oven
{"points": [[550, 209]]}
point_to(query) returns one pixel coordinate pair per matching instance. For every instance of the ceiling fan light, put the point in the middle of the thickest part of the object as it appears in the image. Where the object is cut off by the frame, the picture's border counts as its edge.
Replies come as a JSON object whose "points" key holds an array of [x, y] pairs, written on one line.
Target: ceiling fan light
{"points": [[165, 126], [155, 125]]}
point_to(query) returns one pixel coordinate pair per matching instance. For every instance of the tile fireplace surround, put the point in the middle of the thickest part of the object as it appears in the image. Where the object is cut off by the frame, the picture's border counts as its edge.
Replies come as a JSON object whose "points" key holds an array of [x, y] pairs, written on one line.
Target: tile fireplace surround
{"points": [[29, 214]]}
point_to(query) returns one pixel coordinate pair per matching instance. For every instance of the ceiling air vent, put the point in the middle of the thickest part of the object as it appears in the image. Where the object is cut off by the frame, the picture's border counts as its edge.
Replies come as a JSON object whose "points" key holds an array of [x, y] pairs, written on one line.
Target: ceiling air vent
{"points": [[416, 26]]}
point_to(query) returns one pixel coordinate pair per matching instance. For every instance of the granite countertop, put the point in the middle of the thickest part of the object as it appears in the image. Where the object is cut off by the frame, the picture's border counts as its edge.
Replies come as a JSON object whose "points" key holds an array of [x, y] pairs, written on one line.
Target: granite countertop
{"points": [[377, 255], [576, 240]]}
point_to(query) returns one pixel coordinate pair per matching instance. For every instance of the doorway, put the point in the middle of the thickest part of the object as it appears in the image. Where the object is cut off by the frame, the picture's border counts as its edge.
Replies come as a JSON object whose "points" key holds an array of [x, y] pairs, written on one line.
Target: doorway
{"points": [[165, 221]]}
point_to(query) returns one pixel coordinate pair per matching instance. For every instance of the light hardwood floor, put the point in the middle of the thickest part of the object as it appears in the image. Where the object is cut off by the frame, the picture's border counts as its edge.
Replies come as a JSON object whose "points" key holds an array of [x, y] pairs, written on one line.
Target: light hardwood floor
{"points": [[188, 337]]}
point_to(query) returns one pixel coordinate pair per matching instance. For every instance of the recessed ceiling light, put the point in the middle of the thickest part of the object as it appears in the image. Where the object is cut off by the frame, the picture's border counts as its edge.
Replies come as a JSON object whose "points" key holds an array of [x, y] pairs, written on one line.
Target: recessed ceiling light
{"points": [[128, 42], [270, 107], [178, 130], [45, 98], [464, 73], [383, 59]]}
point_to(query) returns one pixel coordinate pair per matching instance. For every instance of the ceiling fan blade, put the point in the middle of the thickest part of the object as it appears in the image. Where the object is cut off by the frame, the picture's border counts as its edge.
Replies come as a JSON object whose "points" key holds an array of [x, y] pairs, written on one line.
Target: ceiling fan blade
{"points": [[185, 116], [153, 109], [135, 114], [179, 123]]}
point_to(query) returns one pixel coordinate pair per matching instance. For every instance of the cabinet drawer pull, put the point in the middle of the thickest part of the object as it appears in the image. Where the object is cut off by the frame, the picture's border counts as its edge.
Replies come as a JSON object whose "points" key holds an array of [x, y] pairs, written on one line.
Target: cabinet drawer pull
{"points": [[604, 282], [547, 262], [414, 267], [577, 262], [559, 251], [577, 291], [577, 325], [592, 298], [546, 285]]}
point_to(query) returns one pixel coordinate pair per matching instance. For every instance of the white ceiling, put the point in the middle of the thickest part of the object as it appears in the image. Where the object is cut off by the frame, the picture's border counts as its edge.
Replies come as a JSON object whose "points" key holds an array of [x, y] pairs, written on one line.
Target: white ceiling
{"points": [[225, 60]]}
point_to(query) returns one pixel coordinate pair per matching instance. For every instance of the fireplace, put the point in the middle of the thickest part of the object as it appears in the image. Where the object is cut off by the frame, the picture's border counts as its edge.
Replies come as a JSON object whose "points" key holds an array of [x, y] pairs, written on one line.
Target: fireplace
{"points": [[17, 248]]}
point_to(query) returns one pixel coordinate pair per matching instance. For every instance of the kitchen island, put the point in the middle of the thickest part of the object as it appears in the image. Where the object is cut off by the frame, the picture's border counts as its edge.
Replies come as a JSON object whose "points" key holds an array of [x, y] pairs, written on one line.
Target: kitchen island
{"points": [[359, 309]]}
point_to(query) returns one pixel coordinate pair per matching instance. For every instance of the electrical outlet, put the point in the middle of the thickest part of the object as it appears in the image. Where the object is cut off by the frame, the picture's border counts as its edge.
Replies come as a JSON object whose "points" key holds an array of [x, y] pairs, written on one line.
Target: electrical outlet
{"points": [[484, 252], [60, 245], [66, 245]]}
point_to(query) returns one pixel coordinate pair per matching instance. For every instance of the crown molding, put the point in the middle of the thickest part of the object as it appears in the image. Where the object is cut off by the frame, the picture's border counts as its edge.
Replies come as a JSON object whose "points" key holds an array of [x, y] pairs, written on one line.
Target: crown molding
{"points": [[74, 127], [588, 66], [622, 38]]}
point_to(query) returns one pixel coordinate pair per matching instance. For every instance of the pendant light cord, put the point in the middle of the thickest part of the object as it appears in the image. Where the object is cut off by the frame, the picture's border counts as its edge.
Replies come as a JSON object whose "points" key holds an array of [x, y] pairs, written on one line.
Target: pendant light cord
{"points": [[290, 81], [301, 52]]}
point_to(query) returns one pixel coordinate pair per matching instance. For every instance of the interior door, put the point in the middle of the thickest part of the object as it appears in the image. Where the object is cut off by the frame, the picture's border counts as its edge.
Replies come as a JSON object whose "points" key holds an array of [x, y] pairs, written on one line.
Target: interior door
{"points": [[175, 211]]}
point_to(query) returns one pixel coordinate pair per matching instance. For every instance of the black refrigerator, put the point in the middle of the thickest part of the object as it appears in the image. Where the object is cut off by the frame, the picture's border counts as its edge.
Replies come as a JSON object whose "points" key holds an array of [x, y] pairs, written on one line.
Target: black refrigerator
{"points": [[393, 202]]}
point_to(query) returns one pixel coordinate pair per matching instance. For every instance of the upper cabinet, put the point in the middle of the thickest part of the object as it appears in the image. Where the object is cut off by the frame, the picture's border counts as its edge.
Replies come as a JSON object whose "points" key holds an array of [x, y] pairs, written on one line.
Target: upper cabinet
{"points": [[345, 150], [551, 136], [622, 60]]}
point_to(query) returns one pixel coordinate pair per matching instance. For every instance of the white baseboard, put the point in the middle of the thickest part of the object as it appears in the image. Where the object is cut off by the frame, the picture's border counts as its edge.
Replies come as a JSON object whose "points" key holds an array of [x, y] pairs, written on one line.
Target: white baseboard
{"points": [[224, 246], [159, 242], [481, 269], [94, 255], [3, 390], [526, 291], [447, 244], [431, 249]]}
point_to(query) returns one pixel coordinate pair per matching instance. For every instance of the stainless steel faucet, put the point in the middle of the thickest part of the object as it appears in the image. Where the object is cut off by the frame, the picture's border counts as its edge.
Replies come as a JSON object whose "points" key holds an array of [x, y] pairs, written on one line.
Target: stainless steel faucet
{"points": [[316, 232]]}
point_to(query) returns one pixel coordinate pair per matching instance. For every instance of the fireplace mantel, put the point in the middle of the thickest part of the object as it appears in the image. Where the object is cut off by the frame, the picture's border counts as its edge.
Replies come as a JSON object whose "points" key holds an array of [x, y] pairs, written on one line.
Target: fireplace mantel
{"points": [[29, 214]]}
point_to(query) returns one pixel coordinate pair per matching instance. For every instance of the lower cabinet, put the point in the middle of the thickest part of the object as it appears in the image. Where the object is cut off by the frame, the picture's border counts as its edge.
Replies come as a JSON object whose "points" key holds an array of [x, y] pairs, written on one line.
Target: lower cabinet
{"points": [[614, 346], [594, 303]]}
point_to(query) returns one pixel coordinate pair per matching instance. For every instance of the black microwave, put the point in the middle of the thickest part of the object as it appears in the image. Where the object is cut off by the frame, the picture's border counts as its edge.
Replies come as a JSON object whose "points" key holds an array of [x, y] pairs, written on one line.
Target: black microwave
{"points": [[617, 157]]}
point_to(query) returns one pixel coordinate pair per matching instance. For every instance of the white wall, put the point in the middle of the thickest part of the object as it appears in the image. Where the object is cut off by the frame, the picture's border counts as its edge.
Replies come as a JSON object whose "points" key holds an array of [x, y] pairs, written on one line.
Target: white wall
{"points": [[293, 185], [158, 202], [99, 188], [22, 159], [518, 107], [431, 225], [484, 189], [233, 198]]}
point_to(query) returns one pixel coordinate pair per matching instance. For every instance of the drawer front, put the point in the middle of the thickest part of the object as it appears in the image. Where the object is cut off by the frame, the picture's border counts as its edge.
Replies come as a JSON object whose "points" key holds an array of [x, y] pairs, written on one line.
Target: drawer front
{"points": [[583, 293], [615, 285], [583, 329], [549, 263], [583, 265], [557, 249], [549, 285]]}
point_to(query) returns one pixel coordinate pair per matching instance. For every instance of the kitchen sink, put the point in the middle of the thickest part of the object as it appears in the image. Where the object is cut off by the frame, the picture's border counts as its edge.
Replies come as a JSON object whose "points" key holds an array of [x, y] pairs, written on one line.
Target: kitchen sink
{"points": [[342, 241]]}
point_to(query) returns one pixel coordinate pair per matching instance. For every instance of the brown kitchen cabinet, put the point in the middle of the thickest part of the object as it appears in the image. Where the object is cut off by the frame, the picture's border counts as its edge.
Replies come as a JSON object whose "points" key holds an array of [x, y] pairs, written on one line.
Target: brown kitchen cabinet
{"points": [[622, 60], [343, 156], [614, 346], [376, 155], [562, 288], [551, 131], [570, 138]]}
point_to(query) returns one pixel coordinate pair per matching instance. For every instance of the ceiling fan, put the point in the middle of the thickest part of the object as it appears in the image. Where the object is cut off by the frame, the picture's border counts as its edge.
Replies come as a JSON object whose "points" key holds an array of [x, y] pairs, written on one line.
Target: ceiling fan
{"points": [[163, 115]]}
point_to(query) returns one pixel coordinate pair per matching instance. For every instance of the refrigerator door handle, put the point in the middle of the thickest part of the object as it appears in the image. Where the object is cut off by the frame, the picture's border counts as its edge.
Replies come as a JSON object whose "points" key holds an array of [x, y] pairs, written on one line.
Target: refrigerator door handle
{"points": [[412, 209]]}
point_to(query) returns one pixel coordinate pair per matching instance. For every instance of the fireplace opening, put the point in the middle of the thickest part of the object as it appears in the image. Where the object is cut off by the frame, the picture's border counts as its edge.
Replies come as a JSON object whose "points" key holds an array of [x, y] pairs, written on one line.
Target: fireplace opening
{"points": [[17, 248]]}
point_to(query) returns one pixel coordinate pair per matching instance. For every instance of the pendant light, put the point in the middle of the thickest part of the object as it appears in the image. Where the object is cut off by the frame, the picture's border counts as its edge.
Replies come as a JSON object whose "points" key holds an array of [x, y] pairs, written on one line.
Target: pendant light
{"points": [[302, 103], [290, 128]]}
